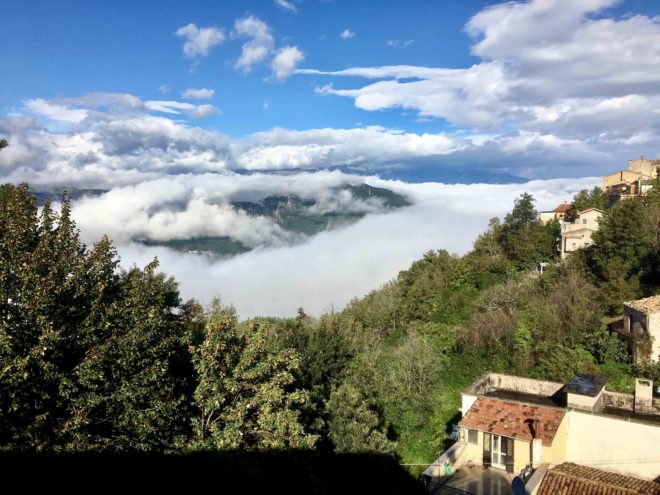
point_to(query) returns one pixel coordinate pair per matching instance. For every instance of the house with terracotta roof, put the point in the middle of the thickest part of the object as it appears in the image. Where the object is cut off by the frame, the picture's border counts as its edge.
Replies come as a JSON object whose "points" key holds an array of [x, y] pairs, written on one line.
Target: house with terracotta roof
{"points": [[641, 322], [572, 479], [530, 428], [577, 234], [559, 214]]}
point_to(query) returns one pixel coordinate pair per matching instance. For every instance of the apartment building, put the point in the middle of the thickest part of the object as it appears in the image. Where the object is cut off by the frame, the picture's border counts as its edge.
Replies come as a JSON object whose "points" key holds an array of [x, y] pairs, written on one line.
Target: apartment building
{"points": [[519, 427]]}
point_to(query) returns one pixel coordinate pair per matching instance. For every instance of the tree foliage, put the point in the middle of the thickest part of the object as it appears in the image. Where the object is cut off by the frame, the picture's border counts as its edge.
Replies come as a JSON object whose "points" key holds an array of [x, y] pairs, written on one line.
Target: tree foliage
{"points": [[246, 395]]}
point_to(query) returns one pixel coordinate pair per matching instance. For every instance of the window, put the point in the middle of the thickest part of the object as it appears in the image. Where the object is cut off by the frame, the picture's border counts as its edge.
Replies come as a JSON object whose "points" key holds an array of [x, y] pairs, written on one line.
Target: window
{"points": [[584, 221], [472, 437]]}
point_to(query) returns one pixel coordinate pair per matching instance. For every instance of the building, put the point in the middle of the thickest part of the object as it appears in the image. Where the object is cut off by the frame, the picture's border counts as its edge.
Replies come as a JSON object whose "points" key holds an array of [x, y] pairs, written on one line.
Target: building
{"points": [[633, 182], [573, 479], [641, 323], [560, 214], [577, 235], [528, 427]]}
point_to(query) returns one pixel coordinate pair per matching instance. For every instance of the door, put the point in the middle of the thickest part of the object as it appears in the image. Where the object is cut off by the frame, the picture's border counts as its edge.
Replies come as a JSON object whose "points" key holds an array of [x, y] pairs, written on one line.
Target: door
{"points": [[498, 452], [501, 452]]}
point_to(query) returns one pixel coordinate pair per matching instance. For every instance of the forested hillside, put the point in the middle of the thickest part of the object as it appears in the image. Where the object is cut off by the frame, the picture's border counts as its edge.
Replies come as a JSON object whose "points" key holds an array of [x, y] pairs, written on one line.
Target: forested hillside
{"points": [[96, 359]]}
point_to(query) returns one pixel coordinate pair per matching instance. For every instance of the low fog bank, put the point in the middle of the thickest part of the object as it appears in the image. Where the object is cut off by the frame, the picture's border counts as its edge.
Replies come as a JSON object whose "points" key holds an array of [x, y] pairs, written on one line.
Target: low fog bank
{"points": [[330, 269]]}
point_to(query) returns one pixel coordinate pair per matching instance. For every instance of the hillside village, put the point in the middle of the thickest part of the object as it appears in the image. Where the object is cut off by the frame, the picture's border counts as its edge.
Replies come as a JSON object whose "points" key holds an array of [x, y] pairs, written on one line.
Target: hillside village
{"points": [[537, 437]]}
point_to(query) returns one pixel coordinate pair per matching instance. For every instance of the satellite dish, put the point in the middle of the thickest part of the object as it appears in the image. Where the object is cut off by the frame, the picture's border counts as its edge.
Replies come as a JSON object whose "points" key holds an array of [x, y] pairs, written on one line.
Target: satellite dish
{"points": [[518, 486]]}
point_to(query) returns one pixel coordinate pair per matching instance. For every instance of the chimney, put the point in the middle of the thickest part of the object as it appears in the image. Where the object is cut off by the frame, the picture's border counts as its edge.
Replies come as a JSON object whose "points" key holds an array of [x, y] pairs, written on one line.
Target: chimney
{"points": [[643, 396], [536, 428]]}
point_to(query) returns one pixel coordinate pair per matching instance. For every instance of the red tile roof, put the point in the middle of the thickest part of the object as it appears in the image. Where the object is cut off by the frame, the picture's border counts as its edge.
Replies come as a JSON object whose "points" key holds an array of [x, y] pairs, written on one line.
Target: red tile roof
{"points": [[513, 419], [563, 208], [571, 479]]}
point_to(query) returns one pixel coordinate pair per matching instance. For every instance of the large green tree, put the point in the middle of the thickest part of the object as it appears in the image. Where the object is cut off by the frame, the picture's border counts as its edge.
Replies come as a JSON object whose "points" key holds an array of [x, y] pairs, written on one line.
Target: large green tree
{"points": [[90, 358], [524, 240], [246, 397]]}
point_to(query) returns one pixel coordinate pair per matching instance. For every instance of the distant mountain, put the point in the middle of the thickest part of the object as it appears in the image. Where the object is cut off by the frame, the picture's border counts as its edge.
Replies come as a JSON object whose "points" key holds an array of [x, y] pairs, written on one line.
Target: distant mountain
{"points": [[293, 214], [444, 176], [72, 193]]}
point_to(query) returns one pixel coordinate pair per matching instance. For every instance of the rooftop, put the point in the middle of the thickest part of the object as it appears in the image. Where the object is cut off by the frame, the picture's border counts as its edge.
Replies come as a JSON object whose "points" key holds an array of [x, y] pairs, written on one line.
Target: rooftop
{"points": [[590, 385], [646, 305], [514, 420], [563, 208], [572, 479]]}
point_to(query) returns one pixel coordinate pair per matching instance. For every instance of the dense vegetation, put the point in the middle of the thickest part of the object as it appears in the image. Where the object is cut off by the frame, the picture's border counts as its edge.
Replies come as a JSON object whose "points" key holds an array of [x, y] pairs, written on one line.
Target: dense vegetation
{"points": [[93, 358]]}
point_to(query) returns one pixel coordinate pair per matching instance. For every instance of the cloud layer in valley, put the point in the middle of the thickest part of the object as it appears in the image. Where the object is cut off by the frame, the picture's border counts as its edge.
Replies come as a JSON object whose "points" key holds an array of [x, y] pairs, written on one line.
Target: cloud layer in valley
{"points": [[317, 273]]}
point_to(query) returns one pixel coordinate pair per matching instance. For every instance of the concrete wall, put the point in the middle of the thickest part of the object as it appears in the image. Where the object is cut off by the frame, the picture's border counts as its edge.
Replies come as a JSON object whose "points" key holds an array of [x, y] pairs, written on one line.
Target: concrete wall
{"points": [[492, 381], [654, 332], [466, 403], [614, 444], [648, 322]]}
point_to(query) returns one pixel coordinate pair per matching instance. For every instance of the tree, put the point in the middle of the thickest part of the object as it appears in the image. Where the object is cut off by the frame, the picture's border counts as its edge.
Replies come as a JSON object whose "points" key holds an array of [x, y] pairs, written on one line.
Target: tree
{"points": [[356, 424], [596, 198], [524, 240], [3, 143], [91, 359], [136, 383], [246, 398]]}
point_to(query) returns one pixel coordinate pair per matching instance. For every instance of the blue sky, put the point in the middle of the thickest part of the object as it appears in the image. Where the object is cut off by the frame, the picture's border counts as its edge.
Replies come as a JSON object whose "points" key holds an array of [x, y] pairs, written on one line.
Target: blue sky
{"points": [[532, 88], [56, 49]]}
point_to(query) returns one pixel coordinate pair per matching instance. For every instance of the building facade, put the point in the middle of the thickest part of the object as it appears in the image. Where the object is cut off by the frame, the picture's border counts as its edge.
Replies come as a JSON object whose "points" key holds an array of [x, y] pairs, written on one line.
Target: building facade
{"points": [[633, 182], [577, 235], [527, 426]]}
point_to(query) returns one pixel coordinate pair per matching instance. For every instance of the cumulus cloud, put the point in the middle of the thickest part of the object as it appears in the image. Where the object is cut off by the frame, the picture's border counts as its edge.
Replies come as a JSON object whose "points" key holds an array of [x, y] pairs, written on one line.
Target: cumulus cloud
{"points": [[529, 50], [199, 40], [286, 61], [192, 206], [346, 34], [61, 113], [286, 5], [260, 45], [107, 139], [198, 94], [205, 111], [333, 267]]}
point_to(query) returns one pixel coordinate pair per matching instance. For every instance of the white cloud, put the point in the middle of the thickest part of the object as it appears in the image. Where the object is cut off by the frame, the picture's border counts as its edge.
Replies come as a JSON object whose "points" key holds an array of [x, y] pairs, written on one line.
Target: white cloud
{"points": [[199, 40], [163, 89], [346, 34], [205, 111], [198, 94], [123, 140], [259, 47], [168, 106], [286, 5], [278, 280], [546, 66], [60, 113], [286, 61]]}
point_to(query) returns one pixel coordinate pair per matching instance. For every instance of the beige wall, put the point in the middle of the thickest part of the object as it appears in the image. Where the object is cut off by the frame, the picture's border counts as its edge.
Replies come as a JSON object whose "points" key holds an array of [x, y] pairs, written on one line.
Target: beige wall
{"points": [[646, 168], [619, 177], [522, 451], [614, 444], [592, 218]]}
